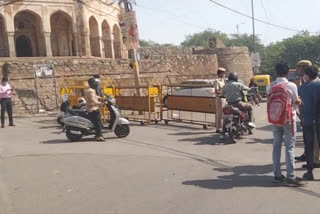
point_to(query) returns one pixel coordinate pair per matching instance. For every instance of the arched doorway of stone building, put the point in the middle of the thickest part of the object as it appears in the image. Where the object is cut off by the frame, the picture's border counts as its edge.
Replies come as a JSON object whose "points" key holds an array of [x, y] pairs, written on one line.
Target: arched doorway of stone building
{"points": [[117, 42], [3, 38], [94, 37], [23, 46], [29, 25], [107, 41], [61, 34]]}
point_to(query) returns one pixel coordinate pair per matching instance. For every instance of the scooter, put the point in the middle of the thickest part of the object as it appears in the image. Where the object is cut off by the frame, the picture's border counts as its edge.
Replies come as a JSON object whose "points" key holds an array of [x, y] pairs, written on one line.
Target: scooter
{"points": [[77, 126], [236, 123], [64, 110]]}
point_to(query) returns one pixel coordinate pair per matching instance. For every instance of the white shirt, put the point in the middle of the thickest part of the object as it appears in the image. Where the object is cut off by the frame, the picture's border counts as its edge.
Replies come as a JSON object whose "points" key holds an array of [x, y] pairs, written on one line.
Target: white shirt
{"points": [[292, 88]]}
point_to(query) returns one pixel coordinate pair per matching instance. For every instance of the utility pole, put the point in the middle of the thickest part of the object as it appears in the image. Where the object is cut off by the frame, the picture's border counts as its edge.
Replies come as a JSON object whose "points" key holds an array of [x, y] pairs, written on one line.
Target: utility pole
{"points": [[133, 52], [255, 68], [253, 27]]}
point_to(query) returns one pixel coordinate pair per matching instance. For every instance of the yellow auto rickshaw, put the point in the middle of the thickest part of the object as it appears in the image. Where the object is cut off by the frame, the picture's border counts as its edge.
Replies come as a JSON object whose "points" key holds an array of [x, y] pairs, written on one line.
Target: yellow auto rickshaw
{"points": [[262, 81]]}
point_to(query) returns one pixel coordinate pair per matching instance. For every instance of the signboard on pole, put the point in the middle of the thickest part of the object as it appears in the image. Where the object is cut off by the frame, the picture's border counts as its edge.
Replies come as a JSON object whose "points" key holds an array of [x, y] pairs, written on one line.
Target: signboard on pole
{"points": [[129, 30], [43, 71]]}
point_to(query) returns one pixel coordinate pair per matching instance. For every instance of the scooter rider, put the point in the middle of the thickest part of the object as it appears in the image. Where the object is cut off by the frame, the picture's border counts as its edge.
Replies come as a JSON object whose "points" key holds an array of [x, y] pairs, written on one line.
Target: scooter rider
{"points": [[232, 91], [92, 107]]}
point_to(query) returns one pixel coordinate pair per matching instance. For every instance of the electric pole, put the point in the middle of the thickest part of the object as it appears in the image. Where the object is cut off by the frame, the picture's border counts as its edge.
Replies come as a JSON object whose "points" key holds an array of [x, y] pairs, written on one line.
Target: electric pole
{"points": [[133, 52], [253, 27]]}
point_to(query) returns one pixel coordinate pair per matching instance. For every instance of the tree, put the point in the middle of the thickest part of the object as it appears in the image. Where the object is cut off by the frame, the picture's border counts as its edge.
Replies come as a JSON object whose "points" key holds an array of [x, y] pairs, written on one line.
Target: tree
{"points": [[202, 38], [291, 50], [247, 41], [149, 43]]}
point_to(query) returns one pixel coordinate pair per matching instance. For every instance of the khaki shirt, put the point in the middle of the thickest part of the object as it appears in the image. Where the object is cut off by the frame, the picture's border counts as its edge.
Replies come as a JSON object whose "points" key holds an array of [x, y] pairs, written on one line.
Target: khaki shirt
{"points": [[92, 100], [219, 84]]}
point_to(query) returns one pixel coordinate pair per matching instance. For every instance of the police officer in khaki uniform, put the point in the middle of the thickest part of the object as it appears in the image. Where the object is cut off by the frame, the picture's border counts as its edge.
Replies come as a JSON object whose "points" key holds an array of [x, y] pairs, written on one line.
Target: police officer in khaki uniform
{"points": [[220, 102]]}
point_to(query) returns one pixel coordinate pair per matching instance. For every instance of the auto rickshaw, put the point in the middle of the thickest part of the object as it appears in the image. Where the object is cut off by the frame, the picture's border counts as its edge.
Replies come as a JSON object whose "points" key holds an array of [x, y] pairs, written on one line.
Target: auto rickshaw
{"points": [[262, 81]]}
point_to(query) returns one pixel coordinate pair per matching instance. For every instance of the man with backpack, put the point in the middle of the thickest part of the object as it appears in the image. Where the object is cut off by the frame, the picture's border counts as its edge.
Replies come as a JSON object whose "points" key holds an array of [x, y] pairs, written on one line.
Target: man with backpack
{"points": [[282, 103], [306, 91]]}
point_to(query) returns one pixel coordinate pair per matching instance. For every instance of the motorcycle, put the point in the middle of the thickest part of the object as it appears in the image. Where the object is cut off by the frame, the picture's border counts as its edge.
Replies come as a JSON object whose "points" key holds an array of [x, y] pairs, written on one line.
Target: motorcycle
{"points": [[253, 97], [77, 126], [236, 123]]}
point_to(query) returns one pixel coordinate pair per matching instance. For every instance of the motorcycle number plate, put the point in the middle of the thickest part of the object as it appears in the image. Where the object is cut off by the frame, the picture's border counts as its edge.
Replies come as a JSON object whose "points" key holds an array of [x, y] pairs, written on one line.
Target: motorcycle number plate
{"points": [[229, 125], [228, 116]]}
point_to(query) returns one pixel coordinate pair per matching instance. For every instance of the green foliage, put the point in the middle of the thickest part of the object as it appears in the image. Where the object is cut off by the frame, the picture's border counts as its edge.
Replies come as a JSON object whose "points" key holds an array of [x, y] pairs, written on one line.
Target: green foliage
{"points": [[246, 40], [202, 38], [149, 43], [292, 50]]}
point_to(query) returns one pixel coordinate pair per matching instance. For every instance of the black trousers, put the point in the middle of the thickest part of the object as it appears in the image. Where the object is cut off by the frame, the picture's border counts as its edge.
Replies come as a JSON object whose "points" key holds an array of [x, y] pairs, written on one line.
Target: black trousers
{"points": [[6, 106], [309, 133], [95, 118]]}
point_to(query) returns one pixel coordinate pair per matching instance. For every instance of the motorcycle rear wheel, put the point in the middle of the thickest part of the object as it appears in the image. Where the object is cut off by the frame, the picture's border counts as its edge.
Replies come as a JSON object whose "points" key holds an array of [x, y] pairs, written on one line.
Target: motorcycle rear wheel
{"points": [[232, 136], [72, 137]]}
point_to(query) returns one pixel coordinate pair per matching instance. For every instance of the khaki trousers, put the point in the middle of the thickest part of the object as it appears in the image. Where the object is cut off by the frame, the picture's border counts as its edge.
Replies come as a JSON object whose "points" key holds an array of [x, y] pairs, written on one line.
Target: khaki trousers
{"points": [[220, 104]]}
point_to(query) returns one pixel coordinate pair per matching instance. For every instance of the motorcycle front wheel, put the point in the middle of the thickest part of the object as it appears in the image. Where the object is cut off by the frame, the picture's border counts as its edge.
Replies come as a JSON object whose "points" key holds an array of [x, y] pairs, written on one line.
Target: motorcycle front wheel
{"points": [[122, 131]]}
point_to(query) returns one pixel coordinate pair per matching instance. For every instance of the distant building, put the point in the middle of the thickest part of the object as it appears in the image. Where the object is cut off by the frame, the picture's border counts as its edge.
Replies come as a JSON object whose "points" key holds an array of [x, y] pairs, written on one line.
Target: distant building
{"points": [[39, 28]]}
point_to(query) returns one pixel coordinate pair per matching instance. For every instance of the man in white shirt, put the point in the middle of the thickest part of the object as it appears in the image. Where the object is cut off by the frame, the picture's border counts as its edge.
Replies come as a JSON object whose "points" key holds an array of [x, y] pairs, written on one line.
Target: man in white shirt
{"points": [[288, 131]]}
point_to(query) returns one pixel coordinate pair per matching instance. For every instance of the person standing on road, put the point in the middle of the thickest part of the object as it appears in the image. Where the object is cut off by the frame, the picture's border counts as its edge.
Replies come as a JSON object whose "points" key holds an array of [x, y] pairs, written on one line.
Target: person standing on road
{"points": [[220, 102], [306, 91], [99, 89], [92, 107], [288, 130], [6, 105]]}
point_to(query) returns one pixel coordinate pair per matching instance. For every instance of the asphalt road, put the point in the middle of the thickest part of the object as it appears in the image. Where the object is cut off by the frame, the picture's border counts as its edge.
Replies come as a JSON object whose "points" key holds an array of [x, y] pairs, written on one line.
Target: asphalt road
{"points": [[158, 169]]}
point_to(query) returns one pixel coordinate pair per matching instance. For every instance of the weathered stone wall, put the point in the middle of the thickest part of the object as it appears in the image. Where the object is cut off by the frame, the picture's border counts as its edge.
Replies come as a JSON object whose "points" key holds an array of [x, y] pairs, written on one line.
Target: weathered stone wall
{"points": [[156, 52], [22, 74], [234, 59]]}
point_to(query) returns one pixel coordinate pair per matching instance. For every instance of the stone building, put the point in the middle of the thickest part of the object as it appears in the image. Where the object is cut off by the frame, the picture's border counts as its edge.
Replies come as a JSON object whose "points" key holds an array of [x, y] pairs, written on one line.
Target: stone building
{"points": [[234, 59], [42, 28]]}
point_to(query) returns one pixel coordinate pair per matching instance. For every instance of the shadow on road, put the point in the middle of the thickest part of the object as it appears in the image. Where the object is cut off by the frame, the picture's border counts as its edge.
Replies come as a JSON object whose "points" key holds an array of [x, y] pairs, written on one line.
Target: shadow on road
{"points": [[59, 141], [83, 140], [209, 140], [244, 176]]}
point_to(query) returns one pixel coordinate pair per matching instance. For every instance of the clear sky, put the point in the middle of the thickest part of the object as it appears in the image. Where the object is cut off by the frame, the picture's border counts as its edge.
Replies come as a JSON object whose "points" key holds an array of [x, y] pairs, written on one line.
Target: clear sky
{"points": [[169, 21]]}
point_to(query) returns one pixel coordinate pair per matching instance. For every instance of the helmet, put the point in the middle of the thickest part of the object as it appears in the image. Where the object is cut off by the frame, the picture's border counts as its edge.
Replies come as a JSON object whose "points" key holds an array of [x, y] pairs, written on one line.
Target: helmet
{"points": [[93, 83], [81, 100], [233, 77]]}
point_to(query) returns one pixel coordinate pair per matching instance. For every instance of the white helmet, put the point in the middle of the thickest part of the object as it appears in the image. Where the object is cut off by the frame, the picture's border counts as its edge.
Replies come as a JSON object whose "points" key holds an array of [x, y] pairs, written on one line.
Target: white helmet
{"points": [[81, 100]]}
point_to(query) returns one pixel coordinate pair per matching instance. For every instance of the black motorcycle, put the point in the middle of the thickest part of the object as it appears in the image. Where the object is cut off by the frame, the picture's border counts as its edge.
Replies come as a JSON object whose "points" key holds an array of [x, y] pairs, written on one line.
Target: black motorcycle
{"points": [[236, 123]]}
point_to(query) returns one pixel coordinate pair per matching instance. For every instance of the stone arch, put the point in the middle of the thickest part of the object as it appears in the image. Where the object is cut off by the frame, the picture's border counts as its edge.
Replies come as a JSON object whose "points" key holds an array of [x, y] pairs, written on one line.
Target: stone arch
{"points": [[3, 38], [62, 10], [94, 37], [117, 41], [29, 24], [24, 46], [107, 40], [61, 34]]}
